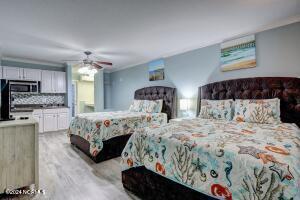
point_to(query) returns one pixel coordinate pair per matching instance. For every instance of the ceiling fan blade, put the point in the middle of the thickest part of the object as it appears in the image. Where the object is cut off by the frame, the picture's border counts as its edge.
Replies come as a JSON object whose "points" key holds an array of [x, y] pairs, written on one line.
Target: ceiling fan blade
{"points": [[97, 66], [104, 63]]}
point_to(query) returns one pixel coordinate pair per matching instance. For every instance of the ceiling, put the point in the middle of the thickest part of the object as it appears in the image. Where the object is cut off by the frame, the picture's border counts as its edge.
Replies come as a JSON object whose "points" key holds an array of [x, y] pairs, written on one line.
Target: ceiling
{"points": [[130, 32]]}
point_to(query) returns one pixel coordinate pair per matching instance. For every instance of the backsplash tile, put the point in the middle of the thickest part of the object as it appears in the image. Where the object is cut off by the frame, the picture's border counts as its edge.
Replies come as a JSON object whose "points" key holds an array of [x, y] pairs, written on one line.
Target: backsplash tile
{"points": [[21, 99]]}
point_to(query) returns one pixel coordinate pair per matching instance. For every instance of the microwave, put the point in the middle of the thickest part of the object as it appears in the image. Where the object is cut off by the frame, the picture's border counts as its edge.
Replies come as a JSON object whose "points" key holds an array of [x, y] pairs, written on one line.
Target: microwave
{"points": [[23, 86]]}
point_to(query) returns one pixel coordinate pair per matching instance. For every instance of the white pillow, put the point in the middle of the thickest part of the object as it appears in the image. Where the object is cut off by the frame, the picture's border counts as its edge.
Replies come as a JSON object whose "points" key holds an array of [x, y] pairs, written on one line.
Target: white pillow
{"points": [[152, 106], [217, 109], [263, 111], [136, 106]]}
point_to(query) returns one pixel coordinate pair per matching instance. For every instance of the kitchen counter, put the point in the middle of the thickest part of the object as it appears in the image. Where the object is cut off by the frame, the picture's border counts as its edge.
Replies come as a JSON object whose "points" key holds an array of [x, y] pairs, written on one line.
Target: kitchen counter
{"points": [[30, 108], [17, 122], [19, 154]]}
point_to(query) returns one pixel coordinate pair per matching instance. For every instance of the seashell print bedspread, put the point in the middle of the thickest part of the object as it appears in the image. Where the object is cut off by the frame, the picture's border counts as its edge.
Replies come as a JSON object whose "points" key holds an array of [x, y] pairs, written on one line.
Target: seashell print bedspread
{"points": [[223, 159], [100, 126]]}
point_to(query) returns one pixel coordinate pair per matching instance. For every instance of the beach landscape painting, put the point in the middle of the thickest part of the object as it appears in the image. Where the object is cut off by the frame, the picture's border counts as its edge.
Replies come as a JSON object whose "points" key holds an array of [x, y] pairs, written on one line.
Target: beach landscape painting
{"points": [[238, 54], [156, 70]]}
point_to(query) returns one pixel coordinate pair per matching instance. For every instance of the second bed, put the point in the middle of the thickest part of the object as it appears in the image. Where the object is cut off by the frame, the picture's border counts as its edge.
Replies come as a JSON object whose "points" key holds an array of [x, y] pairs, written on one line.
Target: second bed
{"points": [[103, 135]]}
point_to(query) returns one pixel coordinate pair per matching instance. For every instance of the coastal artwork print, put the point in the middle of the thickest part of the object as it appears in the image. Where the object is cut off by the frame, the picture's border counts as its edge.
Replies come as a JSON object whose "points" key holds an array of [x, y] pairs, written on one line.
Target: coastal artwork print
{"points": [[238, 54], [156, 70]]}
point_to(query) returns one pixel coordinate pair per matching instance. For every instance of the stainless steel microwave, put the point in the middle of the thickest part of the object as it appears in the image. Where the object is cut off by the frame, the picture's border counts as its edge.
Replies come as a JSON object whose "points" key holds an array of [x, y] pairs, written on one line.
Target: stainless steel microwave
{"points": [[23, 86]]}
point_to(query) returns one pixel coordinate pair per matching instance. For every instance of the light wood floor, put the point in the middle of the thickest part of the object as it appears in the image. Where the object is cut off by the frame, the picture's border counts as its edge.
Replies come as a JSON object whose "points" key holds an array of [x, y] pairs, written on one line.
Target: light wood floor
{"points": [[67, 174]]}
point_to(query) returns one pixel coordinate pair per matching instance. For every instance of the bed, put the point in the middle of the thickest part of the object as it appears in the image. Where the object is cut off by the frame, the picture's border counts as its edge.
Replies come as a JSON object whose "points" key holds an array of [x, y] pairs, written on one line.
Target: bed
{"points": [[102, 136], [203, 158]]}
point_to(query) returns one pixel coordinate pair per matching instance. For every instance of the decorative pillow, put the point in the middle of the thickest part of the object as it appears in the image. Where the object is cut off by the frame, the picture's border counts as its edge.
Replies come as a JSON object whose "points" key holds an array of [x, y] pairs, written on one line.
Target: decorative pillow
{"points": [[136, 106], [217, 109], [264, 111], [152, 106]]}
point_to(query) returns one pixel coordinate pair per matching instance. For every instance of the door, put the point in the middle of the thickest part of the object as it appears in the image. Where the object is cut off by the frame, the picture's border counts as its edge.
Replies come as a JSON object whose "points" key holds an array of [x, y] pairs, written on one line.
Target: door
{"points": [[60, 80], [50, 122], [39, 119], [12, 73], [32, 74], [63, 121], [46, 82]]}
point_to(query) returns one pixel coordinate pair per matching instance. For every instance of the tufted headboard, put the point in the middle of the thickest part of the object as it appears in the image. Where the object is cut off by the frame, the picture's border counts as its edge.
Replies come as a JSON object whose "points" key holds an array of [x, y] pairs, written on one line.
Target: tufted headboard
{"points": [[167, 94], [287, 89]]}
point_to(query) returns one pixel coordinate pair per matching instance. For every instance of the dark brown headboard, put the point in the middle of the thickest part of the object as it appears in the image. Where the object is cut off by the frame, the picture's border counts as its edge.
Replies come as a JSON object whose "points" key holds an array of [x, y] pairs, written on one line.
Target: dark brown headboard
{"points": [[287, 89], [167, 94]]}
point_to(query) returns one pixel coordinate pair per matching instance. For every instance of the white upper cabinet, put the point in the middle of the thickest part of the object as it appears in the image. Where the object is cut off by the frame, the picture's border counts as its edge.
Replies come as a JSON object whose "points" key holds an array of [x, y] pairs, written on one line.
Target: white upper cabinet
{"points": [[32, 74], [12, 73], [17, 73], [53, 82], [60, 82], [46, 82]]}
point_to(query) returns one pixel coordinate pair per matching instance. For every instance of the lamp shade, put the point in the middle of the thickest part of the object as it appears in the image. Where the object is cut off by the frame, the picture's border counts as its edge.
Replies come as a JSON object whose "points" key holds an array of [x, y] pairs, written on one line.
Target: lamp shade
{"points": [[184, 104]]}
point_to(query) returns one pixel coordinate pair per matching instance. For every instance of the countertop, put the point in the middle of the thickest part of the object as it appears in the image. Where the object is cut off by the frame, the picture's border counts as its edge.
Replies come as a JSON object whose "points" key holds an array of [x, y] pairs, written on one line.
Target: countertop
{"points": [[30, 108], [17, 122]]}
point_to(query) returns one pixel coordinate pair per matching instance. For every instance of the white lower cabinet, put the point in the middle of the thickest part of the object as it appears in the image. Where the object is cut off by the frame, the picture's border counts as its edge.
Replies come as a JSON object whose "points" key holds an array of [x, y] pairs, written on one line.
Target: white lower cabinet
{"points": [[50, 122], [52, 119], [62, 121]]}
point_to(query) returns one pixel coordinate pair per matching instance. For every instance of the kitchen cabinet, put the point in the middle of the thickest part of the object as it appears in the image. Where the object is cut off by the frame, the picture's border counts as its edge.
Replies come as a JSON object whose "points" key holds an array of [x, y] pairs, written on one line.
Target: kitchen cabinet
{"points": [[46, 82], [16, 73], [50, 122], [12, 73], [60, 82], [32, 74], [52, 119], [62, 121], [53, 82]]}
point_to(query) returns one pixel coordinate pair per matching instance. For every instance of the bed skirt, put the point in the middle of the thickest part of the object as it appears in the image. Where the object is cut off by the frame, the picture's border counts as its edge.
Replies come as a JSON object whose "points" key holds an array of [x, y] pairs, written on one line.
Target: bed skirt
{"points": [[112, 148], [149, 186]]}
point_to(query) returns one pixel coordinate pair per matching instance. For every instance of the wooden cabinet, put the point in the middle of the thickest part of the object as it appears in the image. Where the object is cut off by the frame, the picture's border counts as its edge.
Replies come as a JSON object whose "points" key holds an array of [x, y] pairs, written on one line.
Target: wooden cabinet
{"points": [[52, 119], [32, 74], [53, 82], [50, 122], [62, 121], [18, 154], [12, 73], [60, 82], [46, 82], [16, 73]]}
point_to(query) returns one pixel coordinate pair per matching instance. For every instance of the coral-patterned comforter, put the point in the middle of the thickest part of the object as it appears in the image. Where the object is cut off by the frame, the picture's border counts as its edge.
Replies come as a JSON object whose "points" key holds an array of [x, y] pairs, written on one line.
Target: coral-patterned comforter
{"points": [[229, 160], [101, 126]]}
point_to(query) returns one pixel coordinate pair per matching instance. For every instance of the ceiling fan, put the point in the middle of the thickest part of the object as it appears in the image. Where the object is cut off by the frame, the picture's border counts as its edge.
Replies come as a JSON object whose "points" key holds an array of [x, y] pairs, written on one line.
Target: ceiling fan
{"points": [[88, 65]]}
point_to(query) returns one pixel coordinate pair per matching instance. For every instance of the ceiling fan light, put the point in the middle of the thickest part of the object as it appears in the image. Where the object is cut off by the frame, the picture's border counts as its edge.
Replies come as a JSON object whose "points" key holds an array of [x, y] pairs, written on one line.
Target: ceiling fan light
{"points": [[88, 70], [93, 71], [83, 70]]}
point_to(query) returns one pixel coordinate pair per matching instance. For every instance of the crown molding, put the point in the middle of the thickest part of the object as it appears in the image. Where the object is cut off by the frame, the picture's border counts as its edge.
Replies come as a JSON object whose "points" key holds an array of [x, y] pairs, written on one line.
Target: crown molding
{"points": [[273, 25], [30, 61]]}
